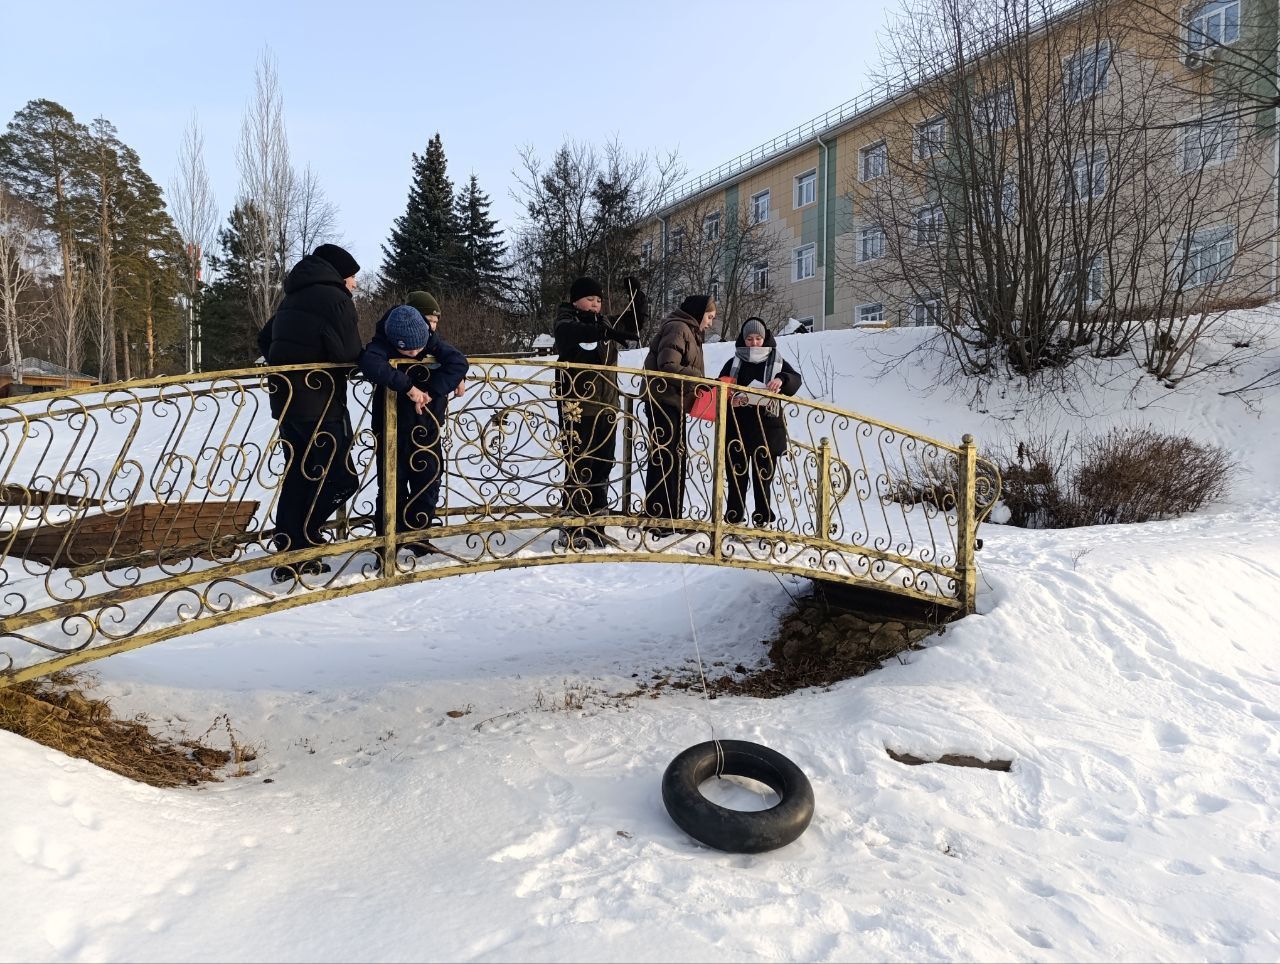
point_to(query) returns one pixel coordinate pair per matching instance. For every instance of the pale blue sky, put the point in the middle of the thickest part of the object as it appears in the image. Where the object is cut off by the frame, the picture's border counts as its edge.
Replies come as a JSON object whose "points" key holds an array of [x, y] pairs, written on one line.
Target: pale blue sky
{"points": [[366, 84]]}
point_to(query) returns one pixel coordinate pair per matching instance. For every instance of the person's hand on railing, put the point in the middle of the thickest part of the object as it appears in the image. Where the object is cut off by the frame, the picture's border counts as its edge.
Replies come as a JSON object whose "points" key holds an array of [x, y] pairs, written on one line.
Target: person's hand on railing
{"points": [[774, 384], [461, 389], [737, 400], [419, 398]]}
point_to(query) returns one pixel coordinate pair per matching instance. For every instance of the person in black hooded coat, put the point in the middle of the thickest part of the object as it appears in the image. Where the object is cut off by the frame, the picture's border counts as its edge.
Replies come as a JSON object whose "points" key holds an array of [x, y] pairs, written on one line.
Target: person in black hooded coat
{"points": [[316, 322], [756, 434]]}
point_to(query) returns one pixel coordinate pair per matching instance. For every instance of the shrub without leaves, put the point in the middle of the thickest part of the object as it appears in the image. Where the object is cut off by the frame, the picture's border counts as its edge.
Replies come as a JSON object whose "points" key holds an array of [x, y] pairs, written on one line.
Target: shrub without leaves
{"points": [[1127, 475]]}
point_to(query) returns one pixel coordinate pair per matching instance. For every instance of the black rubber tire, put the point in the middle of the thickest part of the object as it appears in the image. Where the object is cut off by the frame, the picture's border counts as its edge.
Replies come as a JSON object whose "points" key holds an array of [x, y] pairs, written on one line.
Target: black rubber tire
{"points": [[737, 831]]}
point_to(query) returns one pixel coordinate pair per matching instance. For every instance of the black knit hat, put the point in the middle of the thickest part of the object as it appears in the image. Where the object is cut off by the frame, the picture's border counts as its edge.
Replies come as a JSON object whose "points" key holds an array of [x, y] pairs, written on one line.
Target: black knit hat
{"points": [[585, 288], [339, 258], [695, 306]]}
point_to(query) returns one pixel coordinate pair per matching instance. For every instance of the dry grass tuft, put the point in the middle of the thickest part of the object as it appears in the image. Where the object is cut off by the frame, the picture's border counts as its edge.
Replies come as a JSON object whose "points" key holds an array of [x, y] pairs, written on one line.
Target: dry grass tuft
{"points": [[57, 713]]}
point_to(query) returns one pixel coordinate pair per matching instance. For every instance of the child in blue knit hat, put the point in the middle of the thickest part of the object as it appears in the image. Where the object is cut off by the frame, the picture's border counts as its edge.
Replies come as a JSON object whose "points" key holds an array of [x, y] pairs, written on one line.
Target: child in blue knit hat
{"points": [[421, 392]]}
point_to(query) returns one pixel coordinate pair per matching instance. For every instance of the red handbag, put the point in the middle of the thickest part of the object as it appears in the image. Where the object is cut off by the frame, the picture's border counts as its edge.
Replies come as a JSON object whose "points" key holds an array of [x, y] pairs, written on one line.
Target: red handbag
{"points": [[704, 404]]}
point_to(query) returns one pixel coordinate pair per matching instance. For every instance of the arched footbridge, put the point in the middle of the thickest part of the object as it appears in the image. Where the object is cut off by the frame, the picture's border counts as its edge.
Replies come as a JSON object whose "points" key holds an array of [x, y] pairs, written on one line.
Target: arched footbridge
{"points": [[141, 511]]}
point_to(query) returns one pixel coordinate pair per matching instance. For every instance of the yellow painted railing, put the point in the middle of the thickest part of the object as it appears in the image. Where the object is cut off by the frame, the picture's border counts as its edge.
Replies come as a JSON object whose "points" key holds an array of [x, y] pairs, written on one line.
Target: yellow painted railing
{"points": [[140, 511]]}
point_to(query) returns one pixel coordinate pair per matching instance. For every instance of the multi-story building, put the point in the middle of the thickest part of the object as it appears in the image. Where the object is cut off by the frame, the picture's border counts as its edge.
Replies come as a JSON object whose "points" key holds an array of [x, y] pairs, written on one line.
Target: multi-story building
{"points": [[1116, 153]]}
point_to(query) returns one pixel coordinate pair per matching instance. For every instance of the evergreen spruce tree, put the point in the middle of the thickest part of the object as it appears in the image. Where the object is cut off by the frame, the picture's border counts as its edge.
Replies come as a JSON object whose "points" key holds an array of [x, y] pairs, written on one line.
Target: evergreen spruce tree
{"points": [[228, 336], [480, 272], [423, 251]]}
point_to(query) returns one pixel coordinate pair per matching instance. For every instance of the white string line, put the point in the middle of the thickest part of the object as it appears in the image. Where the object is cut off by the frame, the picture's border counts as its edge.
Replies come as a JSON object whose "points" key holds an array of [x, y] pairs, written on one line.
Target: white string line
{"points": [[697, 650]]}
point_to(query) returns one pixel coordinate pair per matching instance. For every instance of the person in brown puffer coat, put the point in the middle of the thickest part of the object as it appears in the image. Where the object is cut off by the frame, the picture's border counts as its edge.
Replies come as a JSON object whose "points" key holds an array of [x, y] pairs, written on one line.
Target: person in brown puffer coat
{"points": [[675, 349]]}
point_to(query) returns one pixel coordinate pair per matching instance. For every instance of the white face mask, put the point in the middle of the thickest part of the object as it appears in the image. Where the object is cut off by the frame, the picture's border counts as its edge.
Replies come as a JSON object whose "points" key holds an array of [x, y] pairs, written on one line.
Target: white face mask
{"points": [[758, 354]]}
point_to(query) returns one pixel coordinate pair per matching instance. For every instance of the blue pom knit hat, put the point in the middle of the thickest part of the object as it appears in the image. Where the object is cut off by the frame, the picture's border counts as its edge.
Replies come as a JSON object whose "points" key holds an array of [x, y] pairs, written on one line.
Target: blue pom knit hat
{"points": [[407, 329]]}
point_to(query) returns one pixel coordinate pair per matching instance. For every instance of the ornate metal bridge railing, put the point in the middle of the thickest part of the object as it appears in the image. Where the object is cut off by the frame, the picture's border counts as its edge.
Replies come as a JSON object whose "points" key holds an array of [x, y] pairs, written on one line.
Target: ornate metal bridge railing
{"points": [[141, 511]]}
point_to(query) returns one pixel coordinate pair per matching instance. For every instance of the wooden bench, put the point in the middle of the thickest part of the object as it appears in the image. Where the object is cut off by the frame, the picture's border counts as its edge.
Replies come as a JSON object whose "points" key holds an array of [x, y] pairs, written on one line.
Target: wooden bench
{"points": [[30, 495], [143, 534]]}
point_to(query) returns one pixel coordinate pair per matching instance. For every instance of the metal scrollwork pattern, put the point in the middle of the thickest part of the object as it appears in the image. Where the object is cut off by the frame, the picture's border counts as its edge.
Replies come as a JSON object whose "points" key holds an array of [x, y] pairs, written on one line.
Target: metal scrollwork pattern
{"points": [[140, 511]]}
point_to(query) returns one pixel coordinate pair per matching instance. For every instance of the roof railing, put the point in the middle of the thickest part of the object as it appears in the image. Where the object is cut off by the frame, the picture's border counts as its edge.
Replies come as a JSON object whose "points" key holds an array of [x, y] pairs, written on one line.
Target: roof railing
{"points": [[876, 96], [833, 118]]}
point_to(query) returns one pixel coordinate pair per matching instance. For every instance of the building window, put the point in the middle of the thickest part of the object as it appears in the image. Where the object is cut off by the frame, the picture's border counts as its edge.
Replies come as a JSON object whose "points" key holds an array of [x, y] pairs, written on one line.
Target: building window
{"points": [[871, 242], [1087, 282], [927, 312], [804, 263], [806, 189], [760, 276], [1210, 140], [713, 289], [1001, 204], [1088, 177], [1085, 74], [873, 162], [1212, 24], [760, 207], [928, 226], [995, 111], [646, 253], [872, 314], [675, 243], [711, 226], [930, 138], [677, 296], [1009, 199], [1209, 257]]}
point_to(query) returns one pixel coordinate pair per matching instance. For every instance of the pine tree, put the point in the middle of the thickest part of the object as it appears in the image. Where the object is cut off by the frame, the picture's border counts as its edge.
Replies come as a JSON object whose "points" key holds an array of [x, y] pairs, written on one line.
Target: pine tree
{"points": [[480, 273], [151, 261], [100, 212], [42, 160], [424, 248]]}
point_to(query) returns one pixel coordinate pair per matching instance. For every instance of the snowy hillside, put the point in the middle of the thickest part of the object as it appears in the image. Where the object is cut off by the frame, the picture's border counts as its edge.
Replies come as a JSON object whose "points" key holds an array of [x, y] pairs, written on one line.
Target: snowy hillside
{"points": [[447, 770]]}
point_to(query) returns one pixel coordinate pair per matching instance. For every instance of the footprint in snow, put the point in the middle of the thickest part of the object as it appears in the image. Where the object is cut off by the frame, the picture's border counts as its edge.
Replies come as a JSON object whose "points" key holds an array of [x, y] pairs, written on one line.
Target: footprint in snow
{"points": [[1169, 737]]}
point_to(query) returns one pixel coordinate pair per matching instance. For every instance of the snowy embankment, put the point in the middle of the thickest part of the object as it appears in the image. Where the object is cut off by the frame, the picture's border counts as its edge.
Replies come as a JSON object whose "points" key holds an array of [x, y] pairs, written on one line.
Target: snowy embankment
{"points": [[1132, 673]]}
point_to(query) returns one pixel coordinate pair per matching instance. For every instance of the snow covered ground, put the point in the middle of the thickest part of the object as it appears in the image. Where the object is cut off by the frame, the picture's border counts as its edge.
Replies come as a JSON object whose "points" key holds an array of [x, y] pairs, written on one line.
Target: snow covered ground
{"points": [[446, 772]]}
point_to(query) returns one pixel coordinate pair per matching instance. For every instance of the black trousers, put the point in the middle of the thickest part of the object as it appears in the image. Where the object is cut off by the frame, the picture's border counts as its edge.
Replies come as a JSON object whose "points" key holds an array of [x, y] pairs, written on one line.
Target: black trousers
{"points": [[419, 470], [664, 477], [320, 477], [749, 455], [589, 441]]}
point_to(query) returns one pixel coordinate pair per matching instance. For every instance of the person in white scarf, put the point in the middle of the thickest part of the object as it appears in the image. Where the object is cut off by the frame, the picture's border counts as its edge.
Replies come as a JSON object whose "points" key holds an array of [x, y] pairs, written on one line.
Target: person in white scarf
{"points": [[756, 433]]}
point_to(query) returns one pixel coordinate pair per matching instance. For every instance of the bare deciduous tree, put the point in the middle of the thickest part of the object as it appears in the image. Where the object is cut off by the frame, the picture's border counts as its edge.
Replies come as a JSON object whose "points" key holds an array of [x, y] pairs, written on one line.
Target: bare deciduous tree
{"points": [[583, 214], [195, 215], [729, 255], [268, 185], [314, 217], [22, 256], [1053, 189]]}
